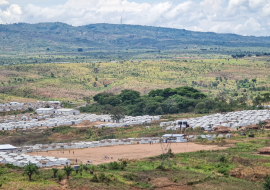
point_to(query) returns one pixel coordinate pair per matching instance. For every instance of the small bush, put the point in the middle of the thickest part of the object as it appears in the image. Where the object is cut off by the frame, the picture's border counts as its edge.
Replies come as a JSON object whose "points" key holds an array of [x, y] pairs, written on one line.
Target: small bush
{"points": [[251, 135], [175, 180], [60, 176], [12, 166], [223, 159], [223, 171], [266, 184], [161, 167], [102, 166], [130, 176], [101, 177]]}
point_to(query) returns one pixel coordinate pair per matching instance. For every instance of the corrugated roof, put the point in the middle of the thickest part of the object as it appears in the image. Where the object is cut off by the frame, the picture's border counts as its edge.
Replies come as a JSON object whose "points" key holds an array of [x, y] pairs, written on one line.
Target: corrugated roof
{"points": [[7, 146], [173, 135], [65, 110], [45, 109]]}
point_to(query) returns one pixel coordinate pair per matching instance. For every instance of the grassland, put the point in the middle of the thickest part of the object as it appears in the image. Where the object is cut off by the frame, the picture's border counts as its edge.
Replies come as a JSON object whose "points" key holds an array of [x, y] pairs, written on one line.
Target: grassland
{"points": [[77, 80]]}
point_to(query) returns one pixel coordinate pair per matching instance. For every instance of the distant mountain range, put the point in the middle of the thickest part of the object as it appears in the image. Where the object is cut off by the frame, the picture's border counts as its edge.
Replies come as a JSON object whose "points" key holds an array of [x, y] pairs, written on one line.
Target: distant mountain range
{"points": [[60, 37]]}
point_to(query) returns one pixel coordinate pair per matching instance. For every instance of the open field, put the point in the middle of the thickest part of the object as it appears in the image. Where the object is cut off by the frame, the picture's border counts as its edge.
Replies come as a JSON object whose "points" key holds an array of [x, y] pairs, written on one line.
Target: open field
{"points": [[77, 80], [123, 152]]}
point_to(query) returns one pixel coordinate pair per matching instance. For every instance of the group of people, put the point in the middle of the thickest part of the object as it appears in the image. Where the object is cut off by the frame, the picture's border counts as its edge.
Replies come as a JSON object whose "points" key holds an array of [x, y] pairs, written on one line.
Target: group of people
{"points": [[107, 157]]}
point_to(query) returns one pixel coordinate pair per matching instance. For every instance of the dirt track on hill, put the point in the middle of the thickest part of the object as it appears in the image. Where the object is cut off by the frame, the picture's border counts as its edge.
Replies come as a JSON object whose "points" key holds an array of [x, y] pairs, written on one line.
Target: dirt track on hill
{"points": [[124, 151]]}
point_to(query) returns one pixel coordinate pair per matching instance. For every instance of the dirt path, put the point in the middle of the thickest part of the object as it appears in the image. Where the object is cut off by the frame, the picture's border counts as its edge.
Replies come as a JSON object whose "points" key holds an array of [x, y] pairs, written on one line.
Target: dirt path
{"points": [[124, 151]]}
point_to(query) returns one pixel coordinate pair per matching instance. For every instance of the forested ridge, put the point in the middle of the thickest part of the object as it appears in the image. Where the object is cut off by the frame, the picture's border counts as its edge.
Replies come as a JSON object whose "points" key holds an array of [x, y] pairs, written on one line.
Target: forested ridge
{"points": [[55, 37]]}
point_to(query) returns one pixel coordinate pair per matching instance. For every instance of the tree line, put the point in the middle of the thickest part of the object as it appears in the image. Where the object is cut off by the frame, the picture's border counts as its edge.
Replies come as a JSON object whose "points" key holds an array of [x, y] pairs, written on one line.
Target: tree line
{"points": [[161, 101]]}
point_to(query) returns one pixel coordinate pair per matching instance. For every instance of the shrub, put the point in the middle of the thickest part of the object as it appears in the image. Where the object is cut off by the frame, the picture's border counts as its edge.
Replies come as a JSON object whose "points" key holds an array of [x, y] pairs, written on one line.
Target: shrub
{"points": [[101, 177], [223, 159], [113, 166], [60, 176], [12, 166], [223, 171], [251, 135], [175, 180], [102, 166], [266, 184], [161, 167], [130, 176]]}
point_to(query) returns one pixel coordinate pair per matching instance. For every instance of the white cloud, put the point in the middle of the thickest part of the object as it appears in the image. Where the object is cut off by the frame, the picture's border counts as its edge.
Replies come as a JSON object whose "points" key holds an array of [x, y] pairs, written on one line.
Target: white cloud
{"points": [[248, 17]]}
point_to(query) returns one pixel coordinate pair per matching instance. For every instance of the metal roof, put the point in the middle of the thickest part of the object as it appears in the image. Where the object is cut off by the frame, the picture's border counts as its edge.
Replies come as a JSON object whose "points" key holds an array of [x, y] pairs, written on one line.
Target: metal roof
{"points": [[7, 146], [66, 110], [45, 109], [173, 135]]}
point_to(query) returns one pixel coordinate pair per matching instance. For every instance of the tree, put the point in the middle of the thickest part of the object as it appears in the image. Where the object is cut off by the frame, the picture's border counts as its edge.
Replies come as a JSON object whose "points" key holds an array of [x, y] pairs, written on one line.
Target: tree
{"points": [[200, 108], [87, 99], [80, 49], [52, 75], [222, 96], [29, 170], [68, 170], [117, 113], [55, 171], [257, 101], [266, 97], [129, 96], [262, 124], [254, 80]]}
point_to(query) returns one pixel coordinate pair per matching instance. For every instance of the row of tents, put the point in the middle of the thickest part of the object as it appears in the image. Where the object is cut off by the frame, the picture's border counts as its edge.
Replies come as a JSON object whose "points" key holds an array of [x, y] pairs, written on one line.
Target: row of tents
{"points": [[22, 160], [93, 144], [15, 106], [76, 119]]}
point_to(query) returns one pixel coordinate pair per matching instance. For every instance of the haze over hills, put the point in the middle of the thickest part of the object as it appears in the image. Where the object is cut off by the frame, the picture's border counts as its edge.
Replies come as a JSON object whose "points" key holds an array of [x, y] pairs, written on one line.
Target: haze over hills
{"points": [[62, 37]]}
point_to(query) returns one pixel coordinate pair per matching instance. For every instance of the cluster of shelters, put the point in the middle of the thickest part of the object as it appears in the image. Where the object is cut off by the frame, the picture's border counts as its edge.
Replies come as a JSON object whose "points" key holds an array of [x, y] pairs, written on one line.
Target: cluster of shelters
{"points": [[69, 120], [57, 111], [128, 120], [22, 160], [93, 144], [230, 120], [16, 106]]}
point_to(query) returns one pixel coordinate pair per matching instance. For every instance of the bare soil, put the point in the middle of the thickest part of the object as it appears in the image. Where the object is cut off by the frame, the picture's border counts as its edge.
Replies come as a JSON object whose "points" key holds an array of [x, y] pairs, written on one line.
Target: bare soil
{"points": [[96, 155]]}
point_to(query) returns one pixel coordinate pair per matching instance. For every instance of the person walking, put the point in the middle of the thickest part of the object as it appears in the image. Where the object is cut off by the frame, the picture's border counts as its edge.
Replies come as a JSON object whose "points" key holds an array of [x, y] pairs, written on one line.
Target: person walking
{"points": [[69, 151], [76, 160], [73, 152]]}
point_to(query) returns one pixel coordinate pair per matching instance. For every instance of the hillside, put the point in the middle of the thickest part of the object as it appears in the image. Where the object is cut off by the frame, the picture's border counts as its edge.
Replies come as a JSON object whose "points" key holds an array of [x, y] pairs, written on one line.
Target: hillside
{"points": [[60, 37], [77, 80]]}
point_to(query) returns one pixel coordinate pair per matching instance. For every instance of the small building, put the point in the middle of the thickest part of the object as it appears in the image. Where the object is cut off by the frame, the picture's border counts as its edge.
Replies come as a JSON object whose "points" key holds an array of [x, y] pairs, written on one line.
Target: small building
{"points": [[174, 138], [14, 103], [67, 111], [8, 148], [45, 110]]}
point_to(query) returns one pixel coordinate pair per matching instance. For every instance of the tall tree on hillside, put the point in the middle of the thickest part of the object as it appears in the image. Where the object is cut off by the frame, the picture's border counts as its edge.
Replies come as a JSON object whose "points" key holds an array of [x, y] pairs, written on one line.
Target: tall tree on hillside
{"points": [[68, 170], [29, 170]]}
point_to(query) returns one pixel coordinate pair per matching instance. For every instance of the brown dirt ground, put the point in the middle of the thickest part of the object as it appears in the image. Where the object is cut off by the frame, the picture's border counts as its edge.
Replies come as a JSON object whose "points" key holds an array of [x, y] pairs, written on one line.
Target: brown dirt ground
{"points": [[123, 151]]}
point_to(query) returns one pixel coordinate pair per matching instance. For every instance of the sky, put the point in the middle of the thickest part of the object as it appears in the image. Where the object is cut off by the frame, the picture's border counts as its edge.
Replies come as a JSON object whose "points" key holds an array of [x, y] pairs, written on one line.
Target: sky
{"points": [[244, 17]]}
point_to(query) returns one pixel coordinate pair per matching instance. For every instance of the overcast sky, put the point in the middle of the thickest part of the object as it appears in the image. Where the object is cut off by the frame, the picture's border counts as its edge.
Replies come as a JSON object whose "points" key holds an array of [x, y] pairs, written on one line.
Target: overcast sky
{"points": [[246, 17]]}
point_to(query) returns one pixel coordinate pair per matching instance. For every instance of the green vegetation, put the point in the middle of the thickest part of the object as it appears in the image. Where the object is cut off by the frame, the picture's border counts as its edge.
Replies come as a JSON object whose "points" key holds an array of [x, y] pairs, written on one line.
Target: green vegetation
{"points": [[29, 170], [158, 102]]}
